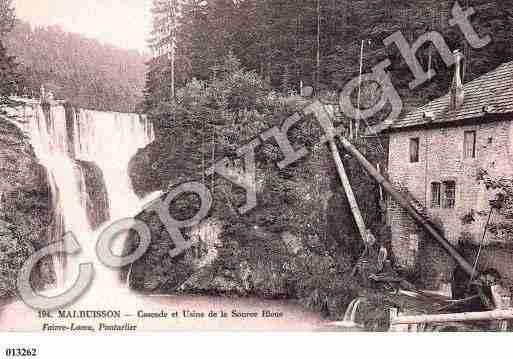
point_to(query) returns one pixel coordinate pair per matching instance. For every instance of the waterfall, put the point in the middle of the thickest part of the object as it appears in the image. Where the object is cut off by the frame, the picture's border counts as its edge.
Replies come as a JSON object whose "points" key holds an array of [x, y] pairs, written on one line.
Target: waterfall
{"points": [[350, 314], [85, 152], [82, 149], [110, 140]]}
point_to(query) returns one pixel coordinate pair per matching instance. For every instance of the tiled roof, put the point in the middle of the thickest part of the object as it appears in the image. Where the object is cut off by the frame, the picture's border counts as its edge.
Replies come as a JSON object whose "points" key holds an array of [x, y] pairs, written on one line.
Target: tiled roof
{"points": [[494, 90]]}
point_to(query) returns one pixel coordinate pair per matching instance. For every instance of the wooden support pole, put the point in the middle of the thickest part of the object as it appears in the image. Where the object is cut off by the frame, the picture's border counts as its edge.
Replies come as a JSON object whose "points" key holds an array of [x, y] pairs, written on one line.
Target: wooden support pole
{"points": [[355, 210], [381, 197], [321, 113], [318, 71]]}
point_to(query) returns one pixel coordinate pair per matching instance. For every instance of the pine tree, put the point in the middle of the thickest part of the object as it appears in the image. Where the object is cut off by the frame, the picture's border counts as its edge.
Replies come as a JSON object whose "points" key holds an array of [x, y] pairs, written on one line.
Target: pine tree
{"points": [[162, 75], [9, 78], [7, 17]]}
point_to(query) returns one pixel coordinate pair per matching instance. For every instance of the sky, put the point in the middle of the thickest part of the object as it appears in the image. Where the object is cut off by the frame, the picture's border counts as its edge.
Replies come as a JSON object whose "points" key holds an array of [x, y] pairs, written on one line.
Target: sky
{"points": [[123, 23]]}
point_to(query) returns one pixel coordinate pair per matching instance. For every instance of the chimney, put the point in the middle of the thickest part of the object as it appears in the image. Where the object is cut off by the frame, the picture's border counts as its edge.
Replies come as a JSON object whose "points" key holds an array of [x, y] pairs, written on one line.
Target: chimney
{"points": [[457, 94]]}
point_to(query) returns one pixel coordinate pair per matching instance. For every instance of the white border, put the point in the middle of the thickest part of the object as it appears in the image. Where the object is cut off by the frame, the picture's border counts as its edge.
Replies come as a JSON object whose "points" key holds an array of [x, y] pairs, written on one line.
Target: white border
{"points": [[261, 346]]}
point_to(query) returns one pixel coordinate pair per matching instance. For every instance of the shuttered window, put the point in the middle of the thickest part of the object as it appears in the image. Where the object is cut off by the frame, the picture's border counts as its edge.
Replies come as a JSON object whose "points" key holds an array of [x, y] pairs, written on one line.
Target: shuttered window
{"points": [[449, 194], [436, 194], [469, 144], [414, 150]]}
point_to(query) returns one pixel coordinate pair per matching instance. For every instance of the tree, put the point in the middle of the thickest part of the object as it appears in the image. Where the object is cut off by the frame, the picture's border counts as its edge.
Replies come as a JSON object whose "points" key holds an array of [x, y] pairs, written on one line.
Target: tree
{"points": [[7, 17], [9, 78], [161, 78]]}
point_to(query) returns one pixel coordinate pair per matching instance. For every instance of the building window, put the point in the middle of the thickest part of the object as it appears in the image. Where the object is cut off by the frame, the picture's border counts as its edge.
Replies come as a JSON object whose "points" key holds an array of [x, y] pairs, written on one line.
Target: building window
{"points": [[469, 144], [449, 194], [414, 150], [436, 194]]}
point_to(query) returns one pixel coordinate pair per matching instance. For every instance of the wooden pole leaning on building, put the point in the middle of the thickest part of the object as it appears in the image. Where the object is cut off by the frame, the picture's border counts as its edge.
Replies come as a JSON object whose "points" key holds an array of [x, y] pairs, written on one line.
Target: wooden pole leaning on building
{"points": [[318, 110], [405, 203]]}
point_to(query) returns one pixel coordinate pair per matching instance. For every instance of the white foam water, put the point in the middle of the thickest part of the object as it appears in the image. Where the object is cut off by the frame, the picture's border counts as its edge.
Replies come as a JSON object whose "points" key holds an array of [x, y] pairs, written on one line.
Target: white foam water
{"points": [[108, 139]]}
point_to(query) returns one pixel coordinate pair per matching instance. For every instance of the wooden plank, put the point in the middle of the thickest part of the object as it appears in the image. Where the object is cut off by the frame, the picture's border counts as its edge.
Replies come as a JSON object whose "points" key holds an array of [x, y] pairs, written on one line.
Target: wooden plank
{"points": [[457, 317]]}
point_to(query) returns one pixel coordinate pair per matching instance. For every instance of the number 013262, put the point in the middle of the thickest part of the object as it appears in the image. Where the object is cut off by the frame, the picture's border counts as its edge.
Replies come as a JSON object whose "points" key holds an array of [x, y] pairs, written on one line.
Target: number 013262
{"points": [[20, 352]]}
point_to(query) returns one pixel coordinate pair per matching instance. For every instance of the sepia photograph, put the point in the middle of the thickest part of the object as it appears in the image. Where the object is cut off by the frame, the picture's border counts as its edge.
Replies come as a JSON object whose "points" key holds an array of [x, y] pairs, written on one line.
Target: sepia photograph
{"points": [[306, 166]]}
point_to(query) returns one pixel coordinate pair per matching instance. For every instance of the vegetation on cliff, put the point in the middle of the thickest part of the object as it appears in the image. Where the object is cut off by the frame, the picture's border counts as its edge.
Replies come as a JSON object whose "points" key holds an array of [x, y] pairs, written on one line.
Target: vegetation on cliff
{"points": [[9, 77], [26, 212]]}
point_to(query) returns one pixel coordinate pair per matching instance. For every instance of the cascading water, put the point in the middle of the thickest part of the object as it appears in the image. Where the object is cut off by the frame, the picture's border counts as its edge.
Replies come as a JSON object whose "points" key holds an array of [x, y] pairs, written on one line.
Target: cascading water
{"points": [[349, 320], [111, 140], [48, 135], [61, 141], [350, 315]]}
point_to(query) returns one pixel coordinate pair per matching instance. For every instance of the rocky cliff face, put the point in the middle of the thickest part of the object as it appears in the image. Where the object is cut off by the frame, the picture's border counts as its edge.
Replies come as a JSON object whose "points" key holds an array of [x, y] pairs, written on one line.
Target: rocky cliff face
{"points": [[25, 208], [300, 242], [97, 196], [145, 175]]}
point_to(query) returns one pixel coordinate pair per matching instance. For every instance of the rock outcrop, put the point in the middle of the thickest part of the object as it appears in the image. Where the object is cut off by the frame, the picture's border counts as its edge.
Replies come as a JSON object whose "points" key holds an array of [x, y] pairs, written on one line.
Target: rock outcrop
{"points": [[299, 242], [97, 196]]}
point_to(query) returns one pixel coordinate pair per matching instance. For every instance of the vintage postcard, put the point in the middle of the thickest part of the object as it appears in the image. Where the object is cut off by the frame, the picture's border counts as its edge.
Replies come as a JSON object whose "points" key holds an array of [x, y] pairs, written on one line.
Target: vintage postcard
{"points": [[255, 165]]}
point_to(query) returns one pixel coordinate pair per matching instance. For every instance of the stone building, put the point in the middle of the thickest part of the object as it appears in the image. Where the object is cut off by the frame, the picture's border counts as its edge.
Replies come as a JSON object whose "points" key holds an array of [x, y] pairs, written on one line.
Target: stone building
{"points": [[439, 153]]}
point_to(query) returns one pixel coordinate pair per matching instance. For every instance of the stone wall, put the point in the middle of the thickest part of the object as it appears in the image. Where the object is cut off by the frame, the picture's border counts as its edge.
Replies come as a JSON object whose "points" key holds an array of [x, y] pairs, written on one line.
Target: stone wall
{"points": [[441, 158]]}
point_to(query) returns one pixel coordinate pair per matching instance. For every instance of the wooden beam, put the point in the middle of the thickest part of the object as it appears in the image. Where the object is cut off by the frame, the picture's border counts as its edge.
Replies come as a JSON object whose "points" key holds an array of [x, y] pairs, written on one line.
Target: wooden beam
{"points": [[457, 317], [355, 210], [406, 204], [323, 117]]}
